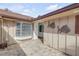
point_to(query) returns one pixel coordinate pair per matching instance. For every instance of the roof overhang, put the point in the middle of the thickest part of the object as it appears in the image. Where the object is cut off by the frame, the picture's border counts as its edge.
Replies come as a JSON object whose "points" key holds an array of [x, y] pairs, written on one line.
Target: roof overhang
{"points": [[60, 15], [13, 15]]}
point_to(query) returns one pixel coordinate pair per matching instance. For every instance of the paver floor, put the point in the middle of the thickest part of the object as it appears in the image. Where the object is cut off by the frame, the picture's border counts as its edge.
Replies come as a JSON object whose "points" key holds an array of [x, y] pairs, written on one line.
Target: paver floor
{"points": [[12, 50], [36, 48], [30, 48]]}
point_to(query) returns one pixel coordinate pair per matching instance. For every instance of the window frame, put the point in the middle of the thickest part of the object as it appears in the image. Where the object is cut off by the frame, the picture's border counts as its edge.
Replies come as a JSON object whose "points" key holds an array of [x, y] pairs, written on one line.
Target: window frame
{"points": [[21, 29]]}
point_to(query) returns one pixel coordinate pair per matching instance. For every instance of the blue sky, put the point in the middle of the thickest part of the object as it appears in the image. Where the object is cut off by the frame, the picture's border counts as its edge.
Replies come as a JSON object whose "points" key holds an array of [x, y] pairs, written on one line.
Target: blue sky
{"points": [[32, 9]]}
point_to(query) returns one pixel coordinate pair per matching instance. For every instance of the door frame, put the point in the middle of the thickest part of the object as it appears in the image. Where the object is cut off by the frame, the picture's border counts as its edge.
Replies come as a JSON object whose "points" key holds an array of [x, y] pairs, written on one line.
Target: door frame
{"points": [[41, 31]]}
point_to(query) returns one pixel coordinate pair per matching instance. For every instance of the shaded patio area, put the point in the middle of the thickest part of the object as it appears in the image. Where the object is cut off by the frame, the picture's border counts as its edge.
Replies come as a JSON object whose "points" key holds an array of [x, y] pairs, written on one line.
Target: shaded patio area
{"points": [[12, 50]]}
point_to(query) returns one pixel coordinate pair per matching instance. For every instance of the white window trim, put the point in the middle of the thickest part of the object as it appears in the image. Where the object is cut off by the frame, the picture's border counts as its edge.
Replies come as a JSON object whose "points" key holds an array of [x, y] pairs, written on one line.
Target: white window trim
{"points": [[21, 29], [20, 37]]}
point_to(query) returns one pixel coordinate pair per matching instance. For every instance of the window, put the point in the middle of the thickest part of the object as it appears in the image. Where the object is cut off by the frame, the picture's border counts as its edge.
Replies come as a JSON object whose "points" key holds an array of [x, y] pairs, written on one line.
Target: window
{"points": [[18, 29], [23, 29]]}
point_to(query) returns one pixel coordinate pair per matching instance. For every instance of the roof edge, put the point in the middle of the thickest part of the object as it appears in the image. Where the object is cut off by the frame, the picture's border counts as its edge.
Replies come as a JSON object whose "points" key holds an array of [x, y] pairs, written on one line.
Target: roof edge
{"points": [[61, 10]]}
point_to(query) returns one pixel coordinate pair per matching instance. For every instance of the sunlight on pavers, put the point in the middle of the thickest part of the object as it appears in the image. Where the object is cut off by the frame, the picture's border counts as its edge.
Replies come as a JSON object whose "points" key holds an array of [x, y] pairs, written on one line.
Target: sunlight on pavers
{"points": [[30, 48], [36, 48]]}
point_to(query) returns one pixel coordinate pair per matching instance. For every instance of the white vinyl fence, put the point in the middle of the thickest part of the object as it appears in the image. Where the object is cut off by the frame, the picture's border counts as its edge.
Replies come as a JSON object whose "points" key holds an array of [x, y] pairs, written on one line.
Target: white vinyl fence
{"points": [[66, 43]]}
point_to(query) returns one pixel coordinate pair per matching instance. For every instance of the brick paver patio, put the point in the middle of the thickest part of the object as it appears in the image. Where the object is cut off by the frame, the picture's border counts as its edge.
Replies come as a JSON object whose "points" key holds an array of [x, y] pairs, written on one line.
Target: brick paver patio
{"points": [[30, 48], [12, 50], [36, 48]]}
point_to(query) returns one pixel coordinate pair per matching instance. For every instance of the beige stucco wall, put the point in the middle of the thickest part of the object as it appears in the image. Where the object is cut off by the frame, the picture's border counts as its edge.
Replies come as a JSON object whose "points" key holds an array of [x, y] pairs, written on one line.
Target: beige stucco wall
{"points": [[58, 41], [47, 35], [69, 20], [8, 32]]}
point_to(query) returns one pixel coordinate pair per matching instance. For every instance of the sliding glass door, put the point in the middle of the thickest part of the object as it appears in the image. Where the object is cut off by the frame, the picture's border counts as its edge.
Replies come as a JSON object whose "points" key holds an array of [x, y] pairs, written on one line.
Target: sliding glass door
{"points": [[23, 30]]}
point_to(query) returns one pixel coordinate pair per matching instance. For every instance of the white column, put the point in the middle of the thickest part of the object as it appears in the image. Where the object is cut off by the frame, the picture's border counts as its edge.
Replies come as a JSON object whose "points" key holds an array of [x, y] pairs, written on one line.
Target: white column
{"points": [[2, 29], [21, 29], [35, 31]]}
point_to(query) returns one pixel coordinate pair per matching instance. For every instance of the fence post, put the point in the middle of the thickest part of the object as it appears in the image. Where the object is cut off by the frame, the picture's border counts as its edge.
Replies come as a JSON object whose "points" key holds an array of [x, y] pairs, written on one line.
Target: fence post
{"points": [[76, 46], [58, 41], [65, 42], [52, 39]]}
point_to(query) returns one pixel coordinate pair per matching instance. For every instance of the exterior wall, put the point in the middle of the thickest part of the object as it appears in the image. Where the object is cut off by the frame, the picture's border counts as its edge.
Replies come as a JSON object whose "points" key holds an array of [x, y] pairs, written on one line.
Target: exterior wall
{"points": [[63, 42], [70, 21], [47, 35], [8, 33]]}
